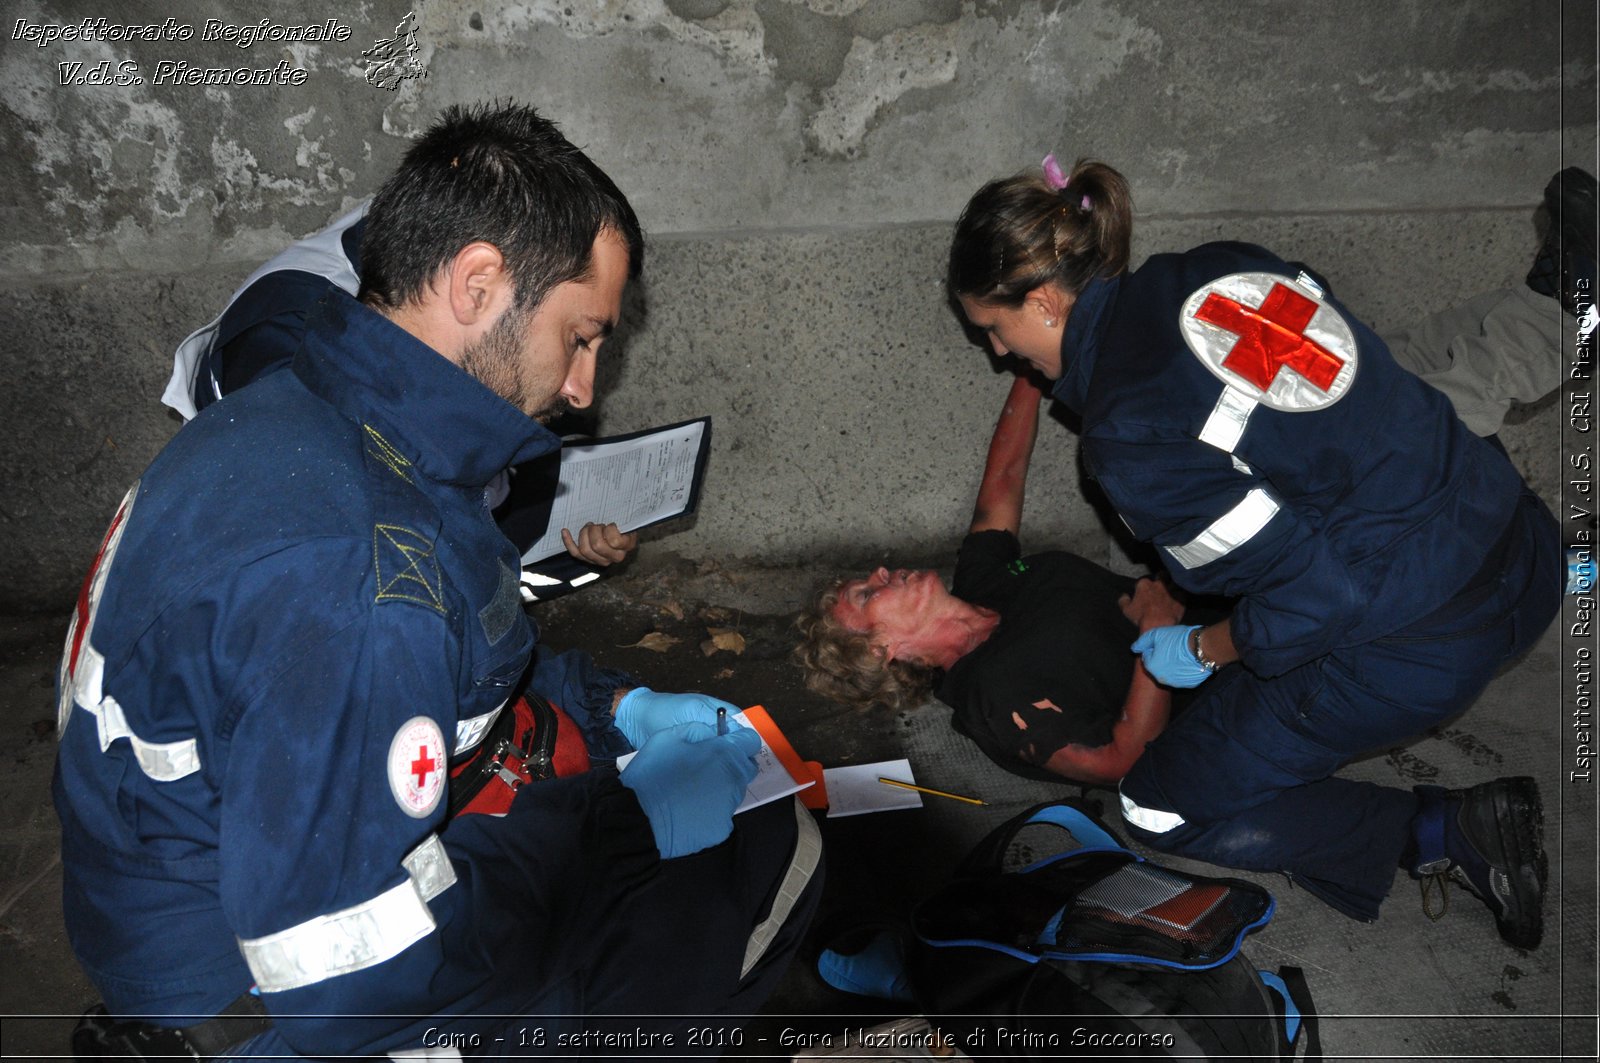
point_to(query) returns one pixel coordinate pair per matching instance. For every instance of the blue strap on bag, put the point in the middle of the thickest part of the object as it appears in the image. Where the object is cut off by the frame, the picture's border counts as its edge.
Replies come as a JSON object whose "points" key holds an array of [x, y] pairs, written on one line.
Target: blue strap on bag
{"points": [[1038, 937]]}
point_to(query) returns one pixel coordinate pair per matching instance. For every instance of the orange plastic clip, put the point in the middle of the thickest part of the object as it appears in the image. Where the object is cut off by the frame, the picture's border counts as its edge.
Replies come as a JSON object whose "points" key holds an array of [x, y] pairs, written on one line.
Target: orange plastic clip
{"points": [[814, 796]]}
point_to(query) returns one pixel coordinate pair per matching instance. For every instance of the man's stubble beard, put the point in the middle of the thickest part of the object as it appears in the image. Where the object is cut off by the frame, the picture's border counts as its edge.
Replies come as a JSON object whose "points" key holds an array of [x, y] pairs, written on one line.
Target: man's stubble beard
{"points": [[494, 361]]}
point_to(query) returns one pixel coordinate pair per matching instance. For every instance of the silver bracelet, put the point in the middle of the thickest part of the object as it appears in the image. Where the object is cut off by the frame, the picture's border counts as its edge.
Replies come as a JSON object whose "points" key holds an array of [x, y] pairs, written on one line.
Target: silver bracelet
{"points": [[1200, 655]]}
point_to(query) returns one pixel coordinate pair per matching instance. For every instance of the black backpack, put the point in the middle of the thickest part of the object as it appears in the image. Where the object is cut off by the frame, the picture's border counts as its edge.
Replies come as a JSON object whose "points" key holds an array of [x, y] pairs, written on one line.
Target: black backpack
{"points": [[1096, 952]]}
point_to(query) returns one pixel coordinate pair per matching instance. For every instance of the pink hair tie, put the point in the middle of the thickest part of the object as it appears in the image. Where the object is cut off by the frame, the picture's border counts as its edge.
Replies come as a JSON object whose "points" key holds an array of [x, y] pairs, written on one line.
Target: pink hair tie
{"points": [[1052, 173], [1086, 205]]}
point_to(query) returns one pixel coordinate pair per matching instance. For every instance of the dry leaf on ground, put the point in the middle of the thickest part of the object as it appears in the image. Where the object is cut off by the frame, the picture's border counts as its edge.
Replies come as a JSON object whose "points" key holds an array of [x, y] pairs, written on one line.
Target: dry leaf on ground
{"points": [[722, 638], [659, 641], [673, 609]]}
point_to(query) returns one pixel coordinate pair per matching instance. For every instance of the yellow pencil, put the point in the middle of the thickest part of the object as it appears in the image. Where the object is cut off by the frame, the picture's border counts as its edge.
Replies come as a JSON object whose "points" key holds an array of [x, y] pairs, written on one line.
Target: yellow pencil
{"points": [[928, 790]]}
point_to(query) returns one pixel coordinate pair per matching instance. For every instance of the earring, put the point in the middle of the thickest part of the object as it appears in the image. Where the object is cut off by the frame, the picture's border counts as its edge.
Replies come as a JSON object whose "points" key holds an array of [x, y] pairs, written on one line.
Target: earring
{"points": [[1049, 322]]}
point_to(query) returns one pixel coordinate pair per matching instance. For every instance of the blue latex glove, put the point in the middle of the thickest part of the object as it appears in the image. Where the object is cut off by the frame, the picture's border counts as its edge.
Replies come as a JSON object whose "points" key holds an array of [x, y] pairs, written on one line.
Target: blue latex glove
{"points": [[688, 780], [1167, 657], [642, 712]]}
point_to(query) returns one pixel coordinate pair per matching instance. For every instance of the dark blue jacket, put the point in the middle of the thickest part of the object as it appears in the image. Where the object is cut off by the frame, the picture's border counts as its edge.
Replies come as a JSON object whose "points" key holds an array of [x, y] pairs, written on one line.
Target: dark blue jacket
{"points": [[1340, 502], [303, 598], [264, 321]]}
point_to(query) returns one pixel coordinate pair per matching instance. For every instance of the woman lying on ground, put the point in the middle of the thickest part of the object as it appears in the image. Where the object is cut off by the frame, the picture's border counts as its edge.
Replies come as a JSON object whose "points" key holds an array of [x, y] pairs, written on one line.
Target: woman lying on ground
{"points": [[1031, 652]]}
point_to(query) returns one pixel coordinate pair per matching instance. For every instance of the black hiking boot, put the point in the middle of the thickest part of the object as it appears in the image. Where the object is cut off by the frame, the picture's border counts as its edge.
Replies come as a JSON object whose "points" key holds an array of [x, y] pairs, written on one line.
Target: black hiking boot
{"points": [[1492, 838]]}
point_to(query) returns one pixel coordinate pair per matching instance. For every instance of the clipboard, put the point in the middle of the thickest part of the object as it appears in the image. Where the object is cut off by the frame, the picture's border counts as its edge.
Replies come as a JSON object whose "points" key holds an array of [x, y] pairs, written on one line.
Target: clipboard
{"points": [[635, 481]]}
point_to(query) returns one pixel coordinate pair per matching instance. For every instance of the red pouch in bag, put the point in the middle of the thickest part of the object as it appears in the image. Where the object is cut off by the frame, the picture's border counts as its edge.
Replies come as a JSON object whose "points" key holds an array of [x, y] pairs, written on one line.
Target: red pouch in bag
{"points": [[531, 740]]}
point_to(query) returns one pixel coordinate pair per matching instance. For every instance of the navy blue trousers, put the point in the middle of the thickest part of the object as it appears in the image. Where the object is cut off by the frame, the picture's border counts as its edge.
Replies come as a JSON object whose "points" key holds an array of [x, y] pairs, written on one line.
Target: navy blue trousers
{"points": [[1249, 767], [662, 975]]}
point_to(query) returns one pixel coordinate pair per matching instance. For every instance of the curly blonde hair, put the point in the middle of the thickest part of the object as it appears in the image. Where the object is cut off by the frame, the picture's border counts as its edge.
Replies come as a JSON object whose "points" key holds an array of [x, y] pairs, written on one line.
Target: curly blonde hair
{"points": [[841, 665]]}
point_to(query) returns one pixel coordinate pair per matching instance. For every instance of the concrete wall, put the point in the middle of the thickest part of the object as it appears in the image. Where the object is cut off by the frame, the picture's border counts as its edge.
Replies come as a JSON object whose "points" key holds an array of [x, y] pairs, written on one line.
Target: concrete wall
{"points": [[798, 164]]}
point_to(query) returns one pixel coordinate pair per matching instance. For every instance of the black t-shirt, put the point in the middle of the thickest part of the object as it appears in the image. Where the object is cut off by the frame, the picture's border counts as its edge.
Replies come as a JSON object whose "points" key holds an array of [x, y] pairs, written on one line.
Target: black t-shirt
{"points": [[1056, 670]]}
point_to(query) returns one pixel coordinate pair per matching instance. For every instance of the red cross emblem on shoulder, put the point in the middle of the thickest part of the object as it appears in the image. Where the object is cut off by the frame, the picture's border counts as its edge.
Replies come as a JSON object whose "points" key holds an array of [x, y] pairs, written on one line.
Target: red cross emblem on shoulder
{"points": [[1264, 336], [417, 766]]}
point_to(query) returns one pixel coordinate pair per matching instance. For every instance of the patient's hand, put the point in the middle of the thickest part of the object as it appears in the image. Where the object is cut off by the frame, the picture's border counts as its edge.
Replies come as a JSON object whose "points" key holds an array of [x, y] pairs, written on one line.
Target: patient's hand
{"points": [[1151, 605], [600, 544]]}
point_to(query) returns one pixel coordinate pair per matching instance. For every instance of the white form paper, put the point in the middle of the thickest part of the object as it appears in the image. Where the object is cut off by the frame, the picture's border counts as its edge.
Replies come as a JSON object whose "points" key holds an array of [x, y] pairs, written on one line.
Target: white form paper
{"points": [[772, 779], [855, 789], [630, 482]]}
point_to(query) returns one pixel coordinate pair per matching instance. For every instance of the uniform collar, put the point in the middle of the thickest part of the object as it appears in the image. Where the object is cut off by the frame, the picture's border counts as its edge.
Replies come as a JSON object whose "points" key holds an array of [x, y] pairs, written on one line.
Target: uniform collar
{"points": [[439, 417], [1080, 340]]}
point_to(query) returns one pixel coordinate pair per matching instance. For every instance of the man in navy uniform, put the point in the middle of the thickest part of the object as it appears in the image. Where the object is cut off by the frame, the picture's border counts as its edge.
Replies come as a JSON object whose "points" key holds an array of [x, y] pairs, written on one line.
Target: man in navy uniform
{"points": [[302, 616], [264, 323]]}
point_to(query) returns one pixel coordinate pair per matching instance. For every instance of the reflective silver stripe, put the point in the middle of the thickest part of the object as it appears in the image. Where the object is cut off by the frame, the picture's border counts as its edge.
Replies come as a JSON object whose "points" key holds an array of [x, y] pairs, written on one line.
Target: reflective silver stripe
{"points": [[470, 732], [1241, 466], [807, 853], [430, 868], [1151, 819], [161, 761], [1228, 419], [1304, 280], [357, 937], [587, 577], [1228, 532]]}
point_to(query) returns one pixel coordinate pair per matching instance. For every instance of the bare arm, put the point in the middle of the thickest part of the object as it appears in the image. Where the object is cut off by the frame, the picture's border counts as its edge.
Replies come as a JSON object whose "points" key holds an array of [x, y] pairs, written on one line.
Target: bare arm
{"points": [[1005, 472], [1146, 709]]}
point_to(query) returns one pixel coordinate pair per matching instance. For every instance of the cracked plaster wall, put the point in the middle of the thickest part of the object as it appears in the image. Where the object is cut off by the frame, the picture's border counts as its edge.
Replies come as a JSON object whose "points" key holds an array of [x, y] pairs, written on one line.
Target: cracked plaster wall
{"points": [[798, 163]]}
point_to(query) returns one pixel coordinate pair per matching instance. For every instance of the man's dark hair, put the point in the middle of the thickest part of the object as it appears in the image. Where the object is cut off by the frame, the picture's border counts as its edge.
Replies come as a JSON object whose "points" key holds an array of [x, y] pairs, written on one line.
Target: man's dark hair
{"points": [[500, 173]]}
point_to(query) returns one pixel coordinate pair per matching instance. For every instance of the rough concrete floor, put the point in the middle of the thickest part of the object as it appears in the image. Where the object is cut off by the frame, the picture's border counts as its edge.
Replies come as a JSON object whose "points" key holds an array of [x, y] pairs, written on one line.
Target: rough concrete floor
{"points": [[1403, 988]]}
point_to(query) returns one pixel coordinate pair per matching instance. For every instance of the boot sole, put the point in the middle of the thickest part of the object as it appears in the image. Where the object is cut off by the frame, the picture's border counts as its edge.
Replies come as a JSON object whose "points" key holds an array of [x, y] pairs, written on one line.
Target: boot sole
{"points": [[1519, 818]]}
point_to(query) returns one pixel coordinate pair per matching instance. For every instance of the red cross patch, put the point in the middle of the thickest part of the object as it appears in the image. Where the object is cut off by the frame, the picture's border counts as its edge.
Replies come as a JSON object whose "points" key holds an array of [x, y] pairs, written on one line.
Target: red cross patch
{"points": [[1266, 336], [417, 766]]}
